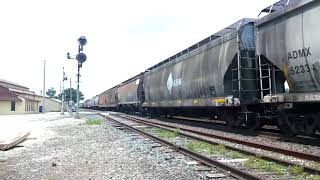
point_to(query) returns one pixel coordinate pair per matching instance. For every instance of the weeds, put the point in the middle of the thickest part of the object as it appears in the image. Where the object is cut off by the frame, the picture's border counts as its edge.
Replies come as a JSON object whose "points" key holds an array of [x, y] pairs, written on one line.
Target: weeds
{"points": [[177, 131], [295, 170], [298, 173], [203, 146], [259, 164], [93, 122], [235, 155], [167, 134], [53, 178], [191, 146]]}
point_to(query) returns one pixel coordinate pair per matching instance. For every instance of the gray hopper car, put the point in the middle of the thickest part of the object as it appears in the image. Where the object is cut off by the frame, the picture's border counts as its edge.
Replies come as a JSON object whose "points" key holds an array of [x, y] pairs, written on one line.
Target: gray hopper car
{"points": [[288, 49], [204, 77]]}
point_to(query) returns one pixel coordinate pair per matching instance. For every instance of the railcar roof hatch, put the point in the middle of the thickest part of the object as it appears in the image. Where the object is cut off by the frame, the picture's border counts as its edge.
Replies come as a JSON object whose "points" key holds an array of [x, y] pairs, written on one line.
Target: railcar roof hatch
{"points": [[277, 6]]}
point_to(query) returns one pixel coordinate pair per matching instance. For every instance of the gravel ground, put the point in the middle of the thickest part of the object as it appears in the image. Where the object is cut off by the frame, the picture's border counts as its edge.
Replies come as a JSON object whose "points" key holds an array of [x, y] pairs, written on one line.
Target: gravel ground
{"points": [[65, 148]]}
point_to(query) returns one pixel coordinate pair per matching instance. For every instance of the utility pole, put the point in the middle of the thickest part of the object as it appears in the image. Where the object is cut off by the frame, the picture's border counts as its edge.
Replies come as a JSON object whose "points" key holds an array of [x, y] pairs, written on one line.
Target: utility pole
{"points": [[44, 86], [64, 78], [70, 102], [62, 93]]}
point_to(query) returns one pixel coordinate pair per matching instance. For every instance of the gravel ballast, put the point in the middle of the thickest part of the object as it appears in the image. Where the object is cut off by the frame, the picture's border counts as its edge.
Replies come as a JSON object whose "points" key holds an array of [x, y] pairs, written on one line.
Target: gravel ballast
{"points": [[67, 148]]}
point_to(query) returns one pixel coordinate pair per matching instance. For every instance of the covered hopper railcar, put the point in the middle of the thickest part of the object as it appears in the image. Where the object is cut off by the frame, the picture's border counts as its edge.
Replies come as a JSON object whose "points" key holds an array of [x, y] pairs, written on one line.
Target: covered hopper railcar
{"points": [[130, 94], [86, 104], [288, 49], [108, 100], [217, 75], [92, 103]]}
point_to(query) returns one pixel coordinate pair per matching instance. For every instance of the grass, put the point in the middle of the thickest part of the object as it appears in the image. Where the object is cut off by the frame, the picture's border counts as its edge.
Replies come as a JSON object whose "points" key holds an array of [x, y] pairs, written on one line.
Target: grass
{"points": [[296, 170], [259, 164], [53, 178], [191, 146], [298, 173], [219, 149], [167, 134], [309, 177], [203, 146], [93, 122], [177, 131], [235, 155]]}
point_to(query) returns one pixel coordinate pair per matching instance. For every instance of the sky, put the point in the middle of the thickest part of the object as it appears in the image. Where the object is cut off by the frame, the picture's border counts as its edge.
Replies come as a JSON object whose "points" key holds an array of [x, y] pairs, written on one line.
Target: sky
{"points": [[125, 37]]}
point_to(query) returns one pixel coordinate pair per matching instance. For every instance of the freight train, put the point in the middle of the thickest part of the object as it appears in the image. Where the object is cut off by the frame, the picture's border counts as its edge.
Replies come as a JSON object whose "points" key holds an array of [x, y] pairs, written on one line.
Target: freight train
{"points": [[253, 72]]}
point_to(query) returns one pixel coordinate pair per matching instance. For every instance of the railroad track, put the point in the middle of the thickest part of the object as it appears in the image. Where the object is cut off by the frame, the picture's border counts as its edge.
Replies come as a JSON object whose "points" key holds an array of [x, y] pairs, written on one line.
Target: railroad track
{"points": [[227, 169], [235, 172], [268, 131], [284, 151]]}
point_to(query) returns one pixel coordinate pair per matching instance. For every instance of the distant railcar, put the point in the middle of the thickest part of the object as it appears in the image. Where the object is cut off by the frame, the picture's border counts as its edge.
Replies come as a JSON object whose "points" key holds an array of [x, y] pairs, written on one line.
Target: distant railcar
{"points": [[96, 102], [130, 94], [86, 104], [91, 103], [108, 100]]}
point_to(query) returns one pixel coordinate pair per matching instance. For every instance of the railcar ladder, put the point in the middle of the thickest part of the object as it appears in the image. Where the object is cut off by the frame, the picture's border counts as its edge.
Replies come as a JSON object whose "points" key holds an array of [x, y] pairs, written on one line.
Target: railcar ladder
{"points": [[246, 64], [265, 78]]}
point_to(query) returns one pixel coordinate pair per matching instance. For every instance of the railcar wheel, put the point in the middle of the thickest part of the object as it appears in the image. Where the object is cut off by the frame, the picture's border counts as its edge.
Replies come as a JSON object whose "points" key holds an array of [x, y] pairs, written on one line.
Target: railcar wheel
{"points": [[231, 120], [253, 122], [310, 121], [318, 120], [155, 113], [228, 118], [286, 124]]}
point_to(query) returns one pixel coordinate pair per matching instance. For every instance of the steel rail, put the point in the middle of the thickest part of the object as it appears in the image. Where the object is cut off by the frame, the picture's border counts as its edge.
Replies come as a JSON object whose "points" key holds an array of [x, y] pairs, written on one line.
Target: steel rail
{"points": [[284, 151], [233, 171], [261, 156], [269, 132]]}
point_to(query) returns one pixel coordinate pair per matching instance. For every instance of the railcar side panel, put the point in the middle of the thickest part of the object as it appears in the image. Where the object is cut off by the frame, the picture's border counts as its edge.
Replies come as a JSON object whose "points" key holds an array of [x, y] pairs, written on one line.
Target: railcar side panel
{"points": [[290, 40], [108, 98], [128, 92], [197, 78]]}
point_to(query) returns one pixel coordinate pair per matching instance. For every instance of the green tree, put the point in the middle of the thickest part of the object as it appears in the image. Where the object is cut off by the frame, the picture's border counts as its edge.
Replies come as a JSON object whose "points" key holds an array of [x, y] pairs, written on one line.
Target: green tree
{"points": [[74, 95], [51, 92]]}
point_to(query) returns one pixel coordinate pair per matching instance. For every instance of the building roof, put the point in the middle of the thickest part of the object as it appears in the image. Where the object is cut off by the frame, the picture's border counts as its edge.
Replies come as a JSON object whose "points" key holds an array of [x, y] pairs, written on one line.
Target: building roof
{"points": [[47, 97], [12, 83], [21, 92], [6, 95]]}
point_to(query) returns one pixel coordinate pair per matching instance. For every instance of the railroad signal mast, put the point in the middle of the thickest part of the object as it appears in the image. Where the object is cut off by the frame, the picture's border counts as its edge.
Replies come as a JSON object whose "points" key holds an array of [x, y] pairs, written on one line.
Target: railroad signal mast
{"points": [[81, 58]]}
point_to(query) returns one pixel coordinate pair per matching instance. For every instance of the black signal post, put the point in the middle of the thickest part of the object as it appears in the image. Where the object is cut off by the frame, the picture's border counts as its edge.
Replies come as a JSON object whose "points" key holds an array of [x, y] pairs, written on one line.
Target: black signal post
{"points": [[81, 58]]}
